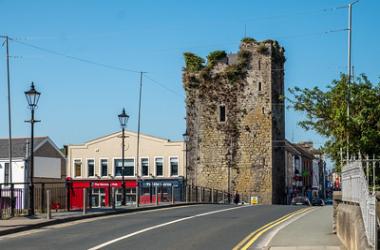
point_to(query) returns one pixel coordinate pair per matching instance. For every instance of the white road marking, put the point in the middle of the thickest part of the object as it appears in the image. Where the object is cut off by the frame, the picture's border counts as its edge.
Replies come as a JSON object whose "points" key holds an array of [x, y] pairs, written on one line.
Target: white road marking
{"points": [[161, 225], [72, 223], [265, 240]]}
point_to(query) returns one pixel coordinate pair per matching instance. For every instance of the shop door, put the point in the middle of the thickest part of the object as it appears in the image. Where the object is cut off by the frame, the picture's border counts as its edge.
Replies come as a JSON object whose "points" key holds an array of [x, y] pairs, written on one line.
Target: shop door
{"points": [[98, 198]]}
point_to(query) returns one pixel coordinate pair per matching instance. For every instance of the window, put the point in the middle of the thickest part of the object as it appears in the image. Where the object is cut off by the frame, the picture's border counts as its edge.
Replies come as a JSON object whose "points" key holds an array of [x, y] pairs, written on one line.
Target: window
{"points": [[129, 167], [6, 173], [103, 167], [144, 166], [222, 113], [90, 168], [159, 166], [263, 110], [173, 166], [259, 87], [78, 168], [259, 64]]}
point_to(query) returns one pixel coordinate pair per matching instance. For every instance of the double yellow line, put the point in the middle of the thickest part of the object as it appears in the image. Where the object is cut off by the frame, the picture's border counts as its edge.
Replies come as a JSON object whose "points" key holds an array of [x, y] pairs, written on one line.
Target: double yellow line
{"points": [[251, 238]]}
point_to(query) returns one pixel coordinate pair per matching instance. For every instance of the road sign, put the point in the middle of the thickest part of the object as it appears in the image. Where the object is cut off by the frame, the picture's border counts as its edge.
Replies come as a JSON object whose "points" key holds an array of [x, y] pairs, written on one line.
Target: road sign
{"points": [[254, 200]]}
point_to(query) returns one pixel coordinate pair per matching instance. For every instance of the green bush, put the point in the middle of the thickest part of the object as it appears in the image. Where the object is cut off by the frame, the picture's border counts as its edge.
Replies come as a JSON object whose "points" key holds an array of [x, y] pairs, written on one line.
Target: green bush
{"points": [[215, 56], [248, 40], [193, 62]]}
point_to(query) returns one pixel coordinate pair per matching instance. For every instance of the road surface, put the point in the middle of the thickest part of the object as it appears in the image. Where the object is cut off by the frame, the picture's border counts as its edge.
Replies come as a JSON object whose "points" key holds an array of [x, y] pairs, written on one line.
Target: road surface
{"points": [[191, 227]]}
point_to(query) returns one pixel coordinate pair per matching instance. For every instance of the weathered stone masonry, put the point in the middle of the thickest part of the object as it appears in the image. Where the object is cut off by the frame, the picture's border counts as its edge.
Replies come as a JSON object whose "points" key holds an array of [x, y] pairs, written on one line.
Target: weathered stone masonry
{"points": [[250, 85]]}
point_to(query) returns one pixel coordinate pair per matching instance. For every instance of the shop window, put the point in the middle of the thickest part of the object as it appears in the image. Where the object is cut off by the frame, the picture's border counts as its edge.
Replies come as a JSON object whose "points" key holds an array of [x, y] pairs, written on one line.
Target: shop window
{"points": [[173, 166], [159, 166], [222, 113], [104, 167], [90, 168], [144, 166], [78, 168]]}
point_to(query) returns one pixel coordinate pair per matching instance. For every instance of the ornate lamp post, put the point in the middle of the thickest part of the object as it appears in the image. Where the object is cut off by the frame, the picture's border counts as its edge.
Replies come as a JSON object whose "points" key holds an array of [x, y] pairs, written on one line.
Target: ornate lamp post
{"points": [[123, 118], [32, 96], [186, 140]]}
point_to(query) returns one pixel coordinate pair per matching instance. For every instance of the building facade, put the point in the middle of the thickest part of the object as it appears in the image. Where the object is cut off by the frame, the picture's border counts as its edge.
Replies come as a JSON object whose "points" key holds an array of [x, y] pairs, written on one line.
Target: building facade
{"points": [[98, 164], [305, 171], [236, 121], [49, 167]]}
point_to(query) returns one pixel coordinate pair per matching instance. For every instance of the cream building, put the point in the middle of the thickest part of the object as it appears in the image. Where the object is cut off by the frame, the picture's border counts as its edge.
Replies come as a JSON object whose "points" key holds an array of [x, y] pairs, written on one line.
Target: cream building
{"points": [[101, 158]]}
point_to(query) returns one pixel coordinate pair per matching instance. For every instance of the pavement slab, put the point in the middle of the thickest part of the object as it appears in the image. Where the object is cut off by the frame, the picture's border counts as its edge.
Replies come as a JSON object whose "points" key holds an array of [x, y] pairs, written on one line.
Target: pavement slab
{"points": [[312, 231]]}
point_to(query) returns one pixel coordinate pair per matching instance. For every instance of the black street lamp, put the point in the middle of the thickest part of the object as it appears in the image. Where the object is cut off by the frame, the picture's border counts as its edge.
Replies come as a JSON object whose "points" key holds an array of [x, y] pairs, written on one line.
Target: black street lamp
{"points": [[123, 118], [186, 140], [32, 96]]}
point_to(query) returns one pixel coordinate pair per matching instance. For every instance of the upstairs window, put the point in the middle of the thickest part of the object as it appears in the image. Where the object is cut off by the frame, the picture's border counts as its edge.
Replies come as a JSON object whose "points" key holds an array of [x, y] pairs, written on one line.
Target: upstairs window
{"points": [[173, 166], [129, 167], [78, 168], [90, 168], [159, 166], [144, 167], [103, 167], [222, 113]]}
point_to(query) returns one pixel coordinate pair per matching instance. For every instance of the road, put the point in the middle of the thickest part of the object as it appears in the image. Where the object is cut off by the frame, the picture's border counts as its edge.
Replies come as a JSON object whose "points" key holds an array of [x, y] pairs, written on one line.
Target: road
{"points": [[191, 227]]}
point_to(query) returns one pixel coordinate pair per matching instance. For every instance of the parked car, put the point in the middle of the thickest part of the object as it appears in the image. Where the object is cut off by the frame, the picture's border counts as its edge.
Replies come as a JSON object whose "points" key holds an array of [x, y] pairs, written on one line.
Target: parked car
{"points": [[300, 200], [328, 202], [317, 202]]}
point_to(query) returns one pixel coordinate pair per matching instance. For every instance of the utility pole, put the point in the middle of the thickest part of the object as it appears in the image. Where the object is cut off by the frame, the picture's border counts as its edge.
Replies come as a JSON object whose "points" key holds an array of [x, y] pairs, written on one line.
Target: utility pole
{"points": [[138, 125], [349, 74], [138, 142], [9, 108]]}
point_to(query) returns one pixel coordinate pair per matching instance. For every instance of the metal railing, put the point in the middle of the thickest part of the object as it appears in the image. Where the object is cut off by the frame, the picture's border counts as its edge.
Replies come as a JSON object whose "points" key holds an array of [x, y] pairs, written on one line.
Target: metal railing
{"points": [[64, 197], [355, 188]]}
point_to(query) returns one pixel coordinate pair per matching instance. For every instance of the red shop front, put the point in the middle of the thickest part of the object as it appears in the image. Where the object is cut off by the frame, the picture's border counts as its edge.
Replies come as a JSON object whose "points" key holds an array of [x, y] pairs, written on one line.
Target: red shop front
{"points": [[100, 192]]}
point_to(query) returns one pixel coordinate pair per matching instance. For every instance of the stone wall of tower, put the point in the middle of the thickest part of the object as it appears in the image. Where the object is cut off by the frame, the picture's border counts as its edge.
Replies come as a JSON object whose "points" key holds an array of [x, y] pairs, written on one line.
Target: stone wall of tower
{"points": [[248, 144]]}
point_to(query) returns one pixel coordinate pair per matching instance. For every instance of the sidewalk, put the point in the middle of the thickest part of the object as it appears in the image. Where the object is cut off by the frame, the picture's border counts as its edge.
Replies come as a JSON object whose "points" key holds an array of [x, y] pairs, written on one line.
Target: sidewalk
{"points": [[312, 231], [18, 224]]}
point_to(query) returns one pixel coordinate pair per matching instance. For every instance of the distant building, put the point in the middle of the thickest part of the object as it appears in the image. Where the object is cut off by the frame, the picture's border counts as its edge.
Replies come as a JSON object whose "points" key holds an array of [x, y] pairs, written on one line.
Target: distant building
{"points": [[98, 164], [305, 170], [236, 121], [49, 161], [49, 166]]}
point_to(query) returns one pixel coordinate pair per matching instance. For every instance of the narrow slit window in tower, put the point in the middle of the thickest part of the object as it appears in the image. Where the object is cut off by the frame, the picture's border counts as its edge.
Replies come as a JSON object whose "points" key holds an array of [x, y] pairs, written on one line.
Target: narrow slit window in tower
{"points": [[222, 113], [259, 86]]}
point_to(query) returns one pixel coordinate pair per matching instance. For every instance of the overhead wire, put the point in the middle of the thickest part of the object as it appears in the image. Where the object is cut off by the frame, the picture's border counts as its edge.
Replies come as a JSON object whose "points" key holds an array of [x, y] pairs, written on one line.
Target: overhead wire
{"points": [[74, 57], [83, 60], [94, 63]]}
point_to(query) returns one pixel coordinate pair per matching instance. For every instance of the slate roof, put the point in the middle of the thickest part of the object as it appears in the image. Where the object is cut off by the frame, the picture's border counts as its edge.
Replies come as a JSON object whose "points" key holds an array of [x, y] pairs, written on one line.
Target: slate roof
{"points": [[18, 146]]}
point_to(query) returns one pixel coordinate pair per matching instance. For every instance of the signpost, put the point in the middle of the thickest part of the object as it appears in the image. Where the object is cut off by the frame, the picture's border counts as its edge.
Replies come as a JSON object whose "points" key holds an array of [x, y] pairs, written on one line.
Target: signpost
{"points": [[254, 200]]}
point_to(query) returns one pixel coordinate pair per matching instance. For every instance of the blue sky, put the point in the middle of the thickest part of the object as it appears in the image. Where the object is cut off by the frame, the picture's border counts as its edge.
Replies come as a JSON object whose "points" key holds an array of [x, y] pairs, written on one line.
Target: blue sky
{"points": [[80, 101]]}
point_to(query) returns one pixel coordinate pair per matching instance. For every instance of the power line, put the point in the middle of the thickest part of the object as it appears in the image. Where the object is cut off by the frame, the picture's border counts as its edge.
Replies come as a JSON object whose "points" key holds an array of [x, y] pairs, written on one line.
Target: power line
{"points": [[94, 63], [75, 57], [163, 86]]}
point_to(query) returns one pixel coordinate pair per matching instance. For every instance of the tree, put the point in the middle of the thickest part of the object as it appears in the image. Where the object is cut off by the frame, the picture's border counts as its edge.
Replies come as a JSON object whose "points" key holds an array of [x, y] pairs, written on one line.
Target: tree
{"points": [[326, 114]]}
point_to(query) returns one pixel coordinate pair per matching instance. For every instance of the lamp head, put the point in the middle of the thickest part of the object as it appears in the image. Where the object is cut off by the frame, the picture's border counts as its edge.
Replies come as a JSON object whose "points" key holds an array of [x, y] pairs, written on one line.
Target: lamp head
{"points": [[32, 96], [123, 118]]}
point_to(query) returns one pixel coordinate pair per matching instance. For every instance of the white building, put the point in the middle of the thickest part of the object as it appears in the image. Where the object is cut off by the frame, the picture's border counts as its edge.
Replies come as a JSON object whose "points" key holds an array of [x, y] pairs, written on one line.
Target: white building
{"points": [[49, 166]]}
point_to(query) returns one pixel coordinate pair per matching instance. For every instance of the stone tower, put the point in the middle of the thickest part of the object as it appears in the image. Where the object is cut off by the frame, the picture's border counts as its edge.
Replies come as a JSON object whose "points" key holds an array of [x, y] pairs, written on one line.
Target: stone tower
{"points": [[235, 120]]}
